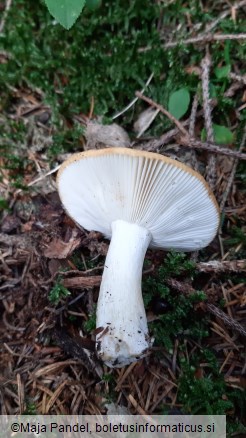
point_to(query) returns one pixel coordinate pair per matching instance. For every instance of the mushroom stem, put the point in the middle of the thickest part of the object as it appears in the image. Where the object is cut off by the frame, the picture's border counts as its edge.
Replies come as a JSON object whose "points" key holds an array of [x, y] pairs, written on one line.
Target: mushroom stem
{"points": [[121, 316]]}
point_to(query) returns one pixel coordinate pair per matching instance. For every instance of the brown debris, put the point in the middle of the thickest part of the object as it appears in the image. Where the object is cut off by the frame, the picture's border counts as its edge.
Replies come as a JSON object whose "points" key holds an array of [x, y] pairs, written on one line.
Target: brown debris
{"points": [[82, 282], [78, 348], [226, 319], [10, 223], [225, 266], [60, 249]]}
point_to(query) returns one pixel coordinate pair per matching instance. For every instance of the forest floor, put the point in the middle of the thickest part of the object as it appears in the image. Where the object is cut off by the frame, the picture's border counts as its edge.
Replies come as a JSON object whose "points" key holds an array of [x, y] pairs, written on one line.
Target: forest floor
{"points": [[56, 86]]}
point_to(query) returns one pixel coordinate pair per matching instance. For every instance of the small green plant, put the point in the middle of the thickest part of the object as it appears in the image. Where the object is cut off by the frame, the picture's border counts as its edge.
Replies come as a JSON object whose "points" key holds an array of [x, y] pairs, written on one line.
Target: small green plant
{"points": [[58, 292], [92, 263], [109, 378], [72, 318], [90, 324], [205, 395], [176, 263], [208, 394], [238, 237], [180, 320], [110, 394], [31, 408]]}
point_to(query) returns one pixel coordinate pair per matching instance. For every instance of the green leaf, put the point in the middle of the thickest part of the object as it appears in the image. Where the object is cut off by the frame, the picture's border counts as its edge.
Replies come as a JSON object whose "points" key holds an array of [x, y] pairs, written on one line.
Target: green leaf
{"points": [[222, 72], [222, 134], [179, 102], [65, 12]]}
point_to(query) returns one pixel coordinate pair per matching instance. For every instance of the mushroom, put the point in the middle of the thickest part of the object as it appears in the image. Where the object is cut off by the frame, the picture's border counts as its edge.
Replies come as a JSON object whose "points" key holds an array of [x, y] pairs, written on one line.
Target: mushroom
{"points": [[138, 200]]}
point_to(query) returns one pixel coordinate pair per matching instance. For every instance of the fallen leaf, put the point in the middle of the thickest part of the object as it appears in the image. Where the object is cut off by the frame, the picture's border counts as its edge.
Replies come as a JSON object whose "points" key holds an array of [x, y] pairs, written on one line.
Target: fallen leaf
{"points": [[58, 249]]}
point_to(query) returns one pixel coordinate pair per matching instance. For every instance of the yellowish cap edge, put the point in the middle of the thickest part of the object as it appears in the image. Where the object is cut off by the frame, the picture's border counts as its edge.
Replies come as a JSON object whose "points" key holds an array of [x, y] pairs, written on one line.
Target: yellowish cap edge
{"points": [[138, 153]]}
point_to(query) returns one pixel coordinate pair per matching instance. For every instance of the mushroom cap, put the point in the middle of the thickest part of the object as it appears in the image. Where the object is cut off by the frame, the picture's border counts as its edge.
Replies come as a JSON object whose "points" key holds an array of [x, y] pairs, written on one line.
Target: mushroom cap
{"points": [[165, 196]]}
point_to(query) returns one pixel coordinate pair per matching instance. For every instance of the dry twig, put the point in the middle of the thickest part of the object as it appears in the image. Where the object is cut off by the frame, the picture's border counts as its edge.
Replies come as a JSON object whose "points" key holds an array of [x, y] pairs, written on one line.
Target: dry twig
{"points": [[206, 38], [187, 289], [231, 322], [214, 266], [238, 78], [232, 175], [213, 148], [82, 282], [163, 111], [225, 14], [206, 65], [192, 120], [7, 8], [185, 139], [193, 114], [211, 167], [154, 145], [134, 100]]}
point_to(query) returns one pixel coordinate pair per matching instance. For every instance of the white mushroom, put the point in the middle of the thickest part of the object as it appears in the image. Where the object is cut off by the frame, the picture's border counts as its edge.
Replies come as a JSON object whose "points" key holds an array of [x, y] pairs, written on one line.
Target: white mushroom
{"points": [[137, 199]]}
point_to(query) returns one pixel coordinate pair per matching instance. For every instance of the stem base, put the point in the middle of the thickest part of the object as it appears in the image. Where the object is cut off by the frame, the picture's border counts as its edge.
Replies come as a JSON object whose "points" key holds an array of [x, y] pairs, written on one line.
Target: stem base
{"points": [[121, 317]]}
